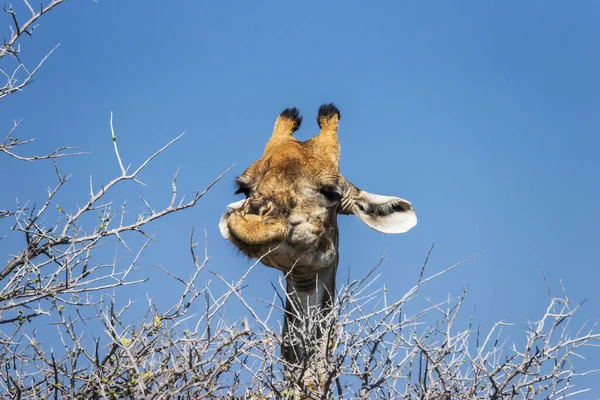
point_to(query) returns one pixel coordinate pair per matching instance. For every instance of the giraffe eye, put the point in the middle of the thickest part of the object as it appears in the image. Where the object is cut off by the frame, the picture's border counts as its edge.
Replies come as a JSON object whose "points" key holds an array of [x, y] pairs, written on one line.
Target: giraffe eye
{"points": [[243, 190], [332, 194]]}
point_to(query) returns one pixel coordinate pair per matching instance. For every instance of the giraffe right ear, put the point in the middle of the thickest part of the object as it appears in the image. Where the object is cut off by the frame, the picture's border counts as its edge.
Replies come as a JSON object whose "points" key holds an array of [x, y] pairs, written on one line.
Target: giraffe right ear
{"points": [[386, 214]]}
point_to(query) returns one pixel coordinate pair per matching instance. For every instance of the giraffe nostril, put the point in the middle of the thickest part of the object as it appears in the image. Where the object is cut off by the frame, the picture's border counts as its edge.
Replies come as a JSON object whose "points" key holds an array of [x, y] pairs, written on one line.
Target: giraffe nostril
{"points": [[254, 208], [266, 210], [258, 208], [295, 220]]}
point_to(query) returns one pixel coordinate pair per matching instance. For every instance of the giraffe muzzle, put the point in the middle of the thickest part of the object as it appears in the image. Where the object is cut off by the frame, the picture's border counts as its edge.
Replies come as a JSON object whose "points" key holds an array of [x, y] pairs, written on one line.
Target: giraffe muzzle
{"points": [[255, 226]]}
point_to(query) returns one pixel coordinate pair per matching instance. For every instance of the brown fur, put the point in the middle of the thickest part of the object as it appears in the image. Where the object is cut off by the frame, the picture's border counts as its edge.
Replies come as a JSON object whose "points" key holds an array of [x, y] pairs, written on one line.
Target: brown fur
{"points": [[287, 180]]}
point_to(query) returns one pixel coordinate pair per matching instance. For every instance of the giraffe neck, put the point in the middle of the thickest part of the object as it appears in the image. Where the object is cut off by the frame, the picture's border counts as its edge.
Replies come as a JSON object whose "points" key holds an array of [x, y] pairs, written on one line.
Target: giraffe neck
{"points": [[308, 319], [307, 295], [307, 322], [308, 316]]}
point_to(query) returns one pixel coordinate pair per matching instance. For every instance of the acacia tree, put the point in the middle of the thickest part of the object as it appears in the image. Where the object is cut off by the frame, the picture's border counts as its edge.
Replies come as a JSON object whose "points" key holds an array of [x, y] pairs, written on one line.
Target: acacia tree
{"points": [[376, 349]]}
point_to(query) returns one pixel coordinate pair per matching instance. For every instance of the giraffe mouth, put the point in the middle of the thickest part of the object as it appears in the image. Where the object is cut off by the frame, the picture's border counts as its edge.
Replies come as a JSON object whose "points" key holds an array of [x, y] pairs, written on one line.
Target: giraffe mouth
{"points": [[253, 230], [255, 237], [278, 241]]}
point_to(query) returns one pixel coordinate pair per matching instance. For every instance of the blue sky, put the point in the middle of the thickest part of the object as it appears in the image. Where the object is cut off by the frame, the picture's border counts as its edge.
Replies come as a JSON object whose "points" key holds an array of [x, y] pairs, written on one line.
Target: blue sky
{"points": [[483, 115]]}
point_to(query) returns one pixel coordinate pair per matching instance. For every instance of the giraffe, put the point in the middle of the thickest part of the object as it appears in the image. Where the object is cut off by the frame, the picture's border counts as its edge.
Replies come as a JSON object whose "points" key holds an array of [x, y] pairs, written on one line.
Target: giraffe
{"points": [[293, 195]]}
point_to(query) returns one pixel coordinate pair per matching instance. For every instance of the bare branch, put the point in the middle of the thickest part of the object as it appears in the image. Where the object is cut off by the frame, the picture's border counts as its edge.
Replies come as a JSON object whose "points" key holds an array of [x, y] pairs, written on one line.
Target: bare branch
{"points": [[10, 48]]}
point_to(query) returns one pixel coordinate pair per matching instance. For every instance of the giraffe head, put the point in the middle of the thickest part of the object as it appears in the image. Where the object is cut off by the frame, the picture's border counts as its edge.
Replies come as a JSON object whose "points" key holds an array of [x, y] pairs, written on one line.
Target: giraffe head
{"points": [[294, 193]]}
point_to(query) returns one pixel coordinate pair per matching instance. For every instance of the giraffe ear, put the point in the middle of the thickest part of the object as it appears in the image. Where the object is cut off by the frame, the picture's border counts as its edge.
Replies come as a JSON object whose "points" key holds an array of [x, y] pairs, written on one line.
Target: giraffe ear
{"points": [[386, 214]]}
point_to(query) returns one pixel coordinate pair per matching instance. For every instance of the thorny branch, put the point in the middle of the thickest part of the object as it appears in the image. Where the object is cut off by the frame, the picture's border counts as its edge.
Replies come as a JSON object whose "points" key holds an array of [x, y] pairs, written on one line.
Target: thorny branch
{"points": [[55, 275], [16, 73], [68, 244], [375, 350], [11, 142]]}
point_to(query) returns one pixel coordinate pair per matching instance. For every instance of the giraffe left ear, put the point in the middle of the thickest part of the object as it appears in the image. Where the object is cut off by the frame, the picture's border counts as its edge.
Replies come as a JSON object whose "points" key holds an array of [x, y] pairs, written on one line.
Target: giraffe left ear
{"points": [[386, 214]]}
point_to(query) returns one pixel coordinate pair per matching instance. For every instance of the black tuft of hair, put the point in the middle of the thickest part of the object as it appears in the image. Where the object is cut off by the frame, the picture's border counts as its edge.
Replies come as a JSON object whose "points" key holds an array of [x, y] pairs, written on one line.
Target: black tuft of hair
{"points": [[327, 111], [293, 114]]}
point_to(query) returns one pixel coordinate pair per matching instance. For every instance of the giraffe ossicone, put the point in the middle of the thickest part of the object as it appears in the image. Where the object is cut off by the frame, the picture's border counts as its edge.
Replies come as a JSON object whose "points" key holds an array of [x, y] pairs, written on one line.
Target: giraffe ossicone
{"points": [[294, 194]]}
